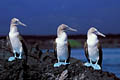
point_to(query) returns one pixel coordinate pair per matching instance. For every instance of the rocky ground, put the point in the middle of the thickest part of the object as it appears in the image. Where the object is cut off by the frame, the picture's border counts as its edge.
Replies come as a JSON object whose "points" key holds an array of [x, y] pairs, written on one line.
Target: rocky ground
{"points": [[39, 66]]}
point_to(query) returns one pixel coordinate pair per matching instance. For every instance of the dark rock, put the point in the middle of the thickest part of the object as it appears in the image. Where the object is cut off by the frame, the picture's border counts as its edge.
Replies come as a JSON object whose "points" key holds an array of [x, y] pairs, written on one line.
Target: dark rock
{"points": [[39, 66]]}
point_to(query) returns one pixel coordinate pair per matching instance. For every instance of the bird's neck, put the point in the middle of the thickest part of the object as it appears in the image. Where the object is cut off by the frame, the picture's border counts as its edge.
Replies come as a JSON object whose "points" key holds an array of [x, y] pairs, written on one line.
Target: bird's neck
{"points": [[92, 36], [92, 39], [13, 28], [62, 35]]}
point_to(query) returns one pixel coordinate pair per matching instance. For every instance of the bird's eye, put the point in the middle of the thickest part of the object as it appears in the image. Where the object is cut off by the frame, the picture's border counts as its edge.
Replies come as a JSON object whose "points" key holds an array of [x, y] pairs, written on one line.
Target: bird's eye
{"points": [[16, 22], [63, 28], [95, 32]]}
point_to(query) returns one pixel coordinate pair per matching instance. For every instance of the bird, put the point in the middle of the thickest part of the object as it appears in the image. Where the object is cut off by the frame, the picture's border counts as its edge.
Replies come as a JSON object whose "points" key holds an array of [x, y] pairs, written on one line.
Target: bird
{"points": [[15, 40], [62, 47], [93, 49]]}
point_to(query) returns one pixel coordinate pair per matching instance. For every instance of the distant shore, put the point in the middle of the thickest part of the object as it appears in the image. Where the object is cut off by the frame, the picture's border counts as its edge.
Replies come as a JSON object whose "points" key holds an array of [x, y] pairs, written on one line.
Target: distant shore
{"points": [[76, 41]]}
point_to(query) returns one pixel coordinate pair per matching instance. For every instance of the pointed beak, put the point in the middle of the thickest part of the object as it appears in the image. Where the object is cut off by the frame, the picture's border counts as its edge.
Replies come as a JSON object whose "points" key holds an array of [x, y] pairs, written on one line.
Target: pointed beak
{"points": [[98, 33], [71, 29], [22, 24]]}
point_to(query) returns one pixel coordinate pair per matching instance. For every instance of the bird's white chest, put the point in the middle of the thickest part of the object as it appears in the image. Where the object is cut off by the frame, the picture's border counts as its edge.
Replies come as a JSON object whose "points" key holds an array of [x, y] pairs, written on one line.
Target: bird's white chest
{"points": [[62, 49], [92, 42], [93, 53], [15, 42]]}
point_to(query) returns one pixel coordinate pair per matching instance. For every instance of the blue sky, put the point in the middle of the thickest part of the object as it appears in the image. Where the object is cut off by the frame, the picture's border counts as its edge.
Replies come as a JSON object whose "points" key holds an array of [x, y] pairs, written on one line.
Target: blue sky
{"points": [[42, 17]]}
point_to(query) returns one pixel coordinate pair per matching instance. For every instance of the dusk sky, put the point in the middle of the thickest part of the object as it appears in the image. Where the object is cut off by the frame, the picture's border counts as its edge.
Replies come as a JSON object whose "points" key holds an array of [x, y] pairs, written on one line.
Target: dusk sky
{"points": [[42, 17]]}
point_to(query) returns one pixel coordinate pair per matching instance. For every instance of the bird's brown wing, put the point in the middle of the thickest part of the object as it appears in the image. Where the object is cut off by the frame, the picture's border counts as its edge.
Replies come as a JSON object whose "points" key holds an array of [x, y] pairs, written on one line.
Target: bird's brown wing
{"points": [[8, 43], [55, 49], [100, 53], [86, 51], [69, 51], [24, 45]]}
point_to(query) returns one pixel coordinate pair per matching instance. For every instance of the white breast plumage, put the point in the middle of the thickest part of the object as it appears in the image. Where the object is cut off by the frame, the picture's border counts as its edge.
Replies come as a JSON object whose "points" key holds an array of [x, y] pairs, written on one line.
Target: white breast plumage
{"points": [[92, 47], [62, 49], [15, 42]]}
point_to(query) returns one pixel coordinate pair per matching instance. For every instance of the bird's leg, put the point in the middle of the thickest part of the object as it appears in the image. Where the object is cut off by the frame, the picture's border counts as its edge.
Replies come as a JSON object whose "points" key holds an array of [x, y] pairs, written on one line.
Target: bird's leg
{"points": [[88, 64], [65, 63], [96, 66], [20, 55], [90, 61], [14, 53], [58, 60], [96, 62]]}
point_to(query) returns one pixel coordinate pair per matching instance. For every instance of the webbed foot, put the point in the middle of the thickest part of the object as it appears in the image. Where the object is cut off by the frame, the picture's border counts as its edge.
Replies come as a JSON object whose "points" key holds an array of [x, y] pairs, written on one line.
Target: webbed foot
{"points": [[87, 64], [57, 64], [60, 63], [96, 67], [11, 58], [64, 63]]}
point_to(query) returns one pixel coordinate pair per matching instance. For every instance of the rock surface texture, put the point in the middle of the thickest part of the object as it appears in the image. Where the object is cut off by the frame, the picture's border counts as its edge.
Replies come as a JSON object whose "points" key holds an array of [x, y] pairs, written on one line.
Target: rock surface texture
{"points": [[39, 66]]}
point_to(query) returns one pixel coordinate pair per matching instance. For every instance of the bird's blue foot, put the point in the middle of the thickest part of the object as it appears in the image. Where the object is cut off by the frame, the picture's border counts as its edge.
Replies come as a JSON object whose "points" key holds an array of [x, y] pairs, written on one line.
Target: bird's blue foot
{"points": [[96, 67], [19, 57], [88, 64], [57, 64], [64, 63], [11, 58], [60, 63]]}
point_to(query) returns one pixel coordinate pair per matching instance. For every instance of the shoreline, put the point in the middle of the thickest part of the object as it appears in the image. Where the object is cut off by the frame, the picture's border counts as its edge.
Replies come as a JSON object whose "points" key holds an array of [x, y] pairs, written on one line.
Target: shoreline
{"points": [[39, 65], [76, 41]]}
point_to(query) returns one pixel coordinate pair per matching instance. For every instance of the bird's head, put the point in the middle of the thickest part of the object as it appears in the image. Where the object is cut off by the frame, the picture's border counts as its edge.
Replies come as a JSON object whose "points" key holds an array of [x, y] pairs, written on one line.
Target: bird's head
{"points": [[93, 30], [64, 28], [16, 22]]}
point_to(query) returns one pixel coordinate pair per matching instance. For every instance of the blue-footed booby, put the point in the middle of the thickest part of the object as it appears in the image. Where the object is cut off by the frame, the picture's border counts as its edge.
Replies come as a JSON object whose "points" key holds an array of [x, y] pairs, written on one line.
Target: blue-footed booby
{"points": [[15, 40], [62, 46], [93, 50]]}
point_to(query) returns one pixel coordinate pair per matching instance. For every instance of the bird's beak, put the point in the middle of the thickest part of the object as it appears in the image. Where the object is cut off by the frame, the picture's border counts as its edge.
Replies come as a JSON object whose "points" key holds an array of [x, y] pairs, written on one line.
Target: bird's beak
{"points": [[71, 29], [98, 33], [22, 24]]}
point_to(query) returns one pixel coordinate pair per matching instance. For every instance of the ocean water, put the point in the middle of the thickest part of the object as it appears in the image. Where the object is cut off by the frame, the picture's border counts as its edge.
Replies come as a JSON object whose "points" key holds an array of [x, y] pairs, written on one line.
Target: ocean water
{"points": [[111, 59]]}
